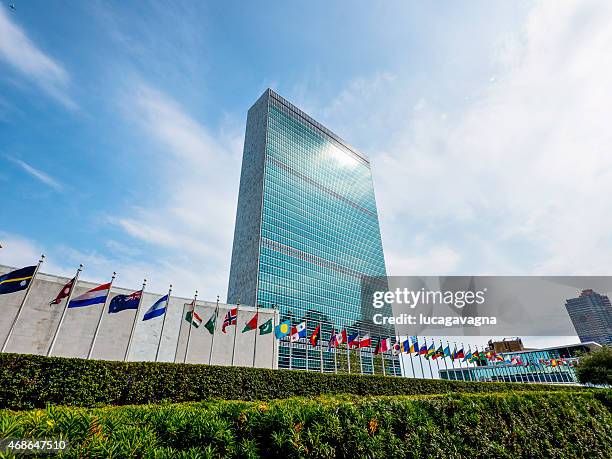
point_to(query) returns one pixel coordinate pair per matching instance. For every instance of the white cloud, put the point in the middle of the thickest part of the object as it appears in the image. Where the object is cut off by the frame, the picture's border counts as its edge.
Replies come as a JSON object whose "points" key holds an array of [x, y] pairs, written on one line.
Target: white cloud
{"points": [[17, 50], [514, 178], [189, 222], [36, 173]]}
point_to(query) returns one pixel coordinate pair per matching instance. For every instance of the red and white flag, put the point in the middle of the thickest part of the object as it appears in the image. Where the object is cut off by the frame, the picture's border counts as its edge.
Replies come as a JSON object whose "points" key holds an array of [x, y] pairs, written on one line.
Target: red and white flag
{"points": [[366, 341], [64, 292]]}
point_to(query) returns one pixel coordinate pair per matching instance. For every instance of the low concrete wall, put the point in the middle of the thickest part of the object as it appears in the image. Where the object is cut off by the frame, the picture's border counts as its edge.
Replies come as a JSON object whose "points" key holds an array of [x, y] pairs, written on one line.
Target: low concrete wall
{"points": [[34, 330]]}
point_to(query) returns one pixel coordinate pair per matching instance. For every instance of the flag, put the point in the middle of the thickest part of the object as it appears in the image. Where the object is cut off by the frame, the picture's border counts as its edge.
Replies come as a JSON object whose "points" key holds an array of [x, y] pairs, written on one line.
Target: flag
{"points": [[282, 329], [366, 341], [192, 316], [405, 346], [332, 341], [96, 295], [230, 319], [396, 349], [467, 357], [439, 353], [64, 292], [423, 350], [297, 332], [343, 338], [447, 351], [383, 346], [266, 327], [352, 340], [158, 309], [16, 280], [251, 324], [460, 354], [210, 324], [122, 302], [314, 338], [414, 345], [431, 350]]}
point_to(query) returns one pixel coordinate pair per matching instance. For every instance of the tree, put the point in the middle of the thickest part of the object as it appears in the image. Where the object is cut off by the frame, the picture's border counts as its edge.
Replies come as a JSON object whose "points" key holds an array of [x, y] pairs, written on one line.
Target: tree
{"points": [[596, 367]]}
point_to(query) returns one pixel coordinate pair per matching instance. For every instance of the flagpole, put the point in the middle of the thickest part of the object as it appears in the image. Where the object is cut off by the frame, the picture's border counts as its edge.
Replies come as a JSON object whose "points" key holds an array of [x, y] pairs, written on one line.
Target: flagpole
{"points": [[93, 341], [235, 329], [382, 356], [274, 309], [256, 330], [409, 339], [444, 357], [306, 346], [320, 342], [359, 347], [290, 342], [335, 349], [461, 362], [23, 302], [129, 346], [467, 364], [212, 341], [420, 359], [178, 338], [161, 334], [61, 321], [429, 358], [195, 297]]}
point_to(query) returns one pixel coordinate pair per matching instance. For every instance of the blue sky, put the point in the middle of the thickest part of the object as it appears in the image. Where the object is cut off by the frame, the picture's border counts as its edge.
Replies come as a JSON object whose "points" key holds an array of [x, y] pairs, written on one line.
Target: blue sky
{"points": [[487, 123]]}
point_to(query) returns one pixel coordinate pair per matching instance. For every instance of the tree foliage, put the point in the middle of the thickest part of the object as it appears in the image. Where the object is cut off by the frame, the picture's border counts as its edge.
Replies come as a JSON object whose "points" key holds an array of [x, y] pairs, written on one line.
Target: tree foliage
{"points": [[596, 367]]}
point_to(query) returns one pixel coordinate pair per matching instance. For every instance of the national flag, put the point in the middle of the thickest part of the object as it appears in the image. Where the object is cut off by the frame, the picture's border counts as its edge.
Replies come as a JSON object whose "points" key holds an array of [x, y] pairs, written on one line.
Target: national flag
{"points": [[343, 337], [314, 338], [339, 338], [460, 354], [423, 350], [297, 332], [122, 302], [64, 292], [396, 349], [405, 346], [352, 340], [266, 327], [468, 357], [414, 345], [332, 341], [439, 353], [96, 295], [251, 324], [365, 341], [431, 350], [230, 319], [282, 329], [192, 316], [16, 280], [383, 346], [210, 323], [158, 309], [447, 351]]}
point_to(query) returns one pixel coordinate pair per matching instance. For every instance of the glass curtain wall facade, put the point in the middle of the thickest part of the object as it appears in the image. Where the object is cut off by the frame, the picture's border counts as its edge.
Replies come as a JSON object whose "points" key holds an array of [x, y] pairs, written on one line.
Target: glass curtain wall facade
{"points": [[306, 233], [591, 314]]}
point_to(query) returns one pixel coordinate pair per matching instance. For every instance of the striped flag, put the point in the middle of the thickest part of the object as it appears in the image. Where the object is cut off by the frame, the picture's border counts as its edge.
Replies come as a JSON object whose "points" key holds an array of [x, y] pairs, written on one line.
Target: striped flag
{"points": [[96, 295]]}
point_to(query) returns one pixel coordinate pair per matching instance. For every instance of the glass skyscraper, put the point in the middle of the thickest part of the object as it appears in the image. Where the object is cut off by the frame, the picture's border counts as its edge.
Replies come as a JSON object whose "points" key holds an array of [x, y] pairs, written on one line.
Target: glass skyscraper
{"points": [[306, 232], [591, 314]]}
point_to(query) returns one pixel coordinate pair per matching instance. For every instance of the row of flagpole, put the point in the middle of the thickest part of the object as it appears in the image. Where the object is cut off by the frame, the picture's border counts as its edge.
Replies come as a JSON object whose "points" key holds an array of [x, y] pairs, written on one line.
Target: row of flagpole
{"points": [[396, 345]]}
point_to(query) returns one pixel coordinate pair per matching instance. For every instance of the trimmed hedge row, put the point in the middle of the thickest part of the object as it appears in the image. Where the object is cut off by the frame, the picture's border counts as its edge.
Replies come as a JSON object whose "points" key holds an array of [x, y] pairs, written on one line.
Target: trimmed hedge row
{"points": [[503, 425], [28, 381]]}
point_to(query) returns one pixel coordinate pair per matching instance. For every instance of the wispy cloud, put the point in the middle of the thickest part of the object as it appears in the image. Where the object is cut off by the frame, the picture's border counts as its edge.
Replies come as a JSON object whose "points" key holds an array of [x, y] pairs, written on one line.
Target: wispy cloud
{"points": [[36, 173], [19, 51], [189, 221]]}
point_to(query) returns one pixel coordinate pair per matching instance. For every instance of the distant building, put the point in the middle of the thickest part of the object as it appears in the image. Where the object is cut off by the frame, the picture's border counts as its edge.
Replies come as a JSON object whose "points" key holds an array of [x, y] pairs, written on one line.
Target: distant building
{"points": [[307, 232], [591, 314], [550, 365], [506, 345]]}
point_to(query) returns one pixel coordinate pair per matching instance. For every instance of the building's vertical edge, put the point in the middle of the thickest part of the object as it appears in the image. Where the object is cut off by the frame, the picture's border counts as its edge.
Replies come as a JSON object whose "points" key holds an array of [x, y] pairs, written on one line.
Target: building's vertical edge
{"points": [[245, 250]]}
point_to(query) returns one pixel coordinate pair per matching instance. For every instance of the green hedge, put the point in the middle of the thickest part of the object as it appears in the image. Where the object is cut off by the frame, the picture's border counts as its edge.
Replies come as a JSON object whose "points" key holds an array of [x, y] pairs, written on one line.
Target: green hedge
{"points": [[503, 425], [28, 381]]}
